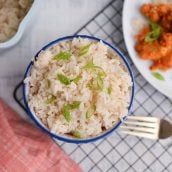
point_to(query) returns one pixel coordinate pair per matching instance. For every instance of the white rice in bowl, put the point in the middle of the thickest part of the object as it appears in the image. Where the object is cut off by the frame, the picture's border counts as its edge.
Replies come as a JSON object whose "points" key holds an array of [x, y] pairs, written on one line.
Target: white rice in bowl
{"points": [[79, 88]]}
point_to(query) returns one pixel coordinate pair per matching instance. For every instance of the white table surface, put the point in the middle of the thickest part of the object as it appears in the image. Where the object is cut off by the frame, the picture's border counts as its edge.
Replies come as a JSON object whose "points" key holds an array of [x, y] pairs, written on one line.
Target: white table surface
{"points": [[47, 26], [55, 18]]}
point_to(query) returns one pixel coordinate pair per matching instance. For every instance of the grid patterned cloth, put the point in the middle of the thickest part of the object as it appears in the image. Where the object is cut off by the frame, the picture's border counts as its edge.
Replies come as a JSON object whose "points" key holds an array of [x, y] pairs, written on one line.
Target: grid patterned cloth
{"points": [[123, 153]]}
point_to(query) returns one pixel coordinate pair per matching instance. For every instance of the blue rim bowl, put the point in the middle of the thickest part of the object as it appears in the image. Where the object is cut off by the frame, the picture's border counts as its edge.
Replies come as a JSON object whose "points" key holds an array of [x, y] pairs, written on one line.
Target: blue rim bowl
{"points": [[73, 140]]}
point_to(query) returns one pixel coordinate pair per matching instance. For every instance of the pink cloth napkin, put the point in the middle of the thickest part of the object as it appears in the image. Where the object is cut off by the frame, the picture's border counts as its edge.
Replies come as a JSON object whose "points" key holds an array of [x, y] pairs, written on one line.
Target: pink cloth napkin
{"points": [[25, 148]]}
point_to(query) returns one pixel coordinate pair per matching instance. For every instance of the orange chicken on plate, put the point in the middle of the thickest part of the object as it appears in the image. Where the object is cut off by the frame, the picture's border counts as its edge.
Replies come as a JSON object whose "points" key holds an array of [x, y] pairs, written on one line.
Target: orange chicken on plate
{"points": [[154, 42]]}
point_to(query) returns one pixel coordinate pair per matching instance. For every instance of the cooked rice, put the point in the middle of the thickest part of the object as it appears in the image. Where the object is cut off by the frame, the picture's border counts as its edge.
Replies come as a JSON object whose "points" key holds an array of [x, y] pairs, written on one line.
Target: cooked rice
{"points": [[110, 108], [11, 14]]}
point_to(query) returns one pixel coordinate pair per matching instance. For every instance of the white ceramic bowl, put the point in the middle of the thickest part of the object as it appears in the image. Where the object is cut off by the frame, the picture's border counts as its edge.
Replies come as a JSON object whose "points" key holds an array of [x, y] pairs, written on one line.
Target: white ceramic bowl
{"points": [[23, 25]]}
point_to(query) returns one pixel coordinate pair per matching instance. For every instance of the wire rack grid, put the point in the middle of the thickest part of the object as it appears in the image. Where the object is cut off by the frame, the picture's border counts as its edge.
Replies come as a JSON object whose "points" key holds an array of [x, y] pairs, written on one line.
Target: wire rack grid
{"points": [[122, 153]]}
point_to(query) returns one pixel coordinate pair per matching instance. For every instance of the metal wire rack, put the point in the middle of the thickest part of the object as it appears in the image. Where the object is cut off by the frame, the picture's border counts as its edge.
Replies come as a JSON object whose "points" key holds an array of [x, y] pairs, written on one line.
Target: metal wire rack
{"points": [[122, 153]]}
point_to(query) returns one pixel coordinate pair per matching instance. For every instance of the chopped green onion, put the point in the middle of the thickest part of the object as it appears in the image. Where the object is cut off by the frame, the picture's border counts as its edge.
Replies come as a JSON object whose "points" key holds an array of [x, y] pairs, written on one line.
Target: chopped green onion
{"points": [[100, 84], [68, 107], [62, 56], [91, 85], [91, 65], [63, 79], [74, 105], [158, 76], [100, 77], [154, 34], [76, 80], [48, 83], [101, 74], [50, 100], [90, 111], [109, 90], [84, 50], [66, 113], [76, 134]]}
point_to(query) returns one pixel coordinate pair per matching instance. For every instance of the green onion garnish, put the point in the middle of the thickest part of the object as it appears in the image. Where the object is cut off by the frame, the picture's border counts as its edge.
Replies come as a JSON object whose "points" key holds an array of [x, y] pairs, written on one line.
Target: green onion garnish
{"points": [[109, 90], [101, 74], [154, 34], [90, 111], [68, 107], [91, 85], [91, 65], [84, 50], [66, 113], [62, 56], [63, 79], [100, 83], [76, 134], [50, 100], [48, 83], [158, 76], [76, 80], [74, 105]]}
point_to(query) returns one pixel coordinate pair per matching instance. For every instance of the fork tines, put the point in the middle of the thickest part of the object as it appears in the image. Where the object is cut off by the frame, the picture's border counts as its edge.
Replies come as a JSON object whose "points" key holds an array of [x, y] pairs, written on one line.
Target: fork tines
{"points": [[147, 127]]}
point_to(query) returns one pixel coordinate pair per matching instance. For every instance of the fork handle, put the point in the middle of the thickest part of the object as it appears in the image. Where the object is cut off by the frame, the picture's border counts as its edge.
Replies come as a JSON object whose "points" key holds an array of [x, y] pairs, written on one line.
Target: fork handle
{"points": [[165, 129]]}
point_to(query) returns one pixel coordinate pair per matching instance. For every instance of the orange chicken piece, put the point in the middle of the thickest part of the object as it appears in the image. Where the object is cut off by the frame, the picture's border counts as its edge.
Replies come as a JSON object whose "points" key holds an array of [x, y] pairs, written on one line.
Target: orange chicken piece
{"points": [[156, 49], [167, 22], [149, 50], [155, 12], [164, 63]]}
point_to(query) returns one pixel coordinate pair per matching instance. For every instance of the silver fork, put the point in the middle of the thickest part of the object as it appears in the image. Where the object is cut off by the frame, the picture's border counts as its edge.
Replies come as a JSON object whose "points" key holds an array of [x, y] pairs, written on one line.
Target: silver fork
{"points": [[147, 127]]}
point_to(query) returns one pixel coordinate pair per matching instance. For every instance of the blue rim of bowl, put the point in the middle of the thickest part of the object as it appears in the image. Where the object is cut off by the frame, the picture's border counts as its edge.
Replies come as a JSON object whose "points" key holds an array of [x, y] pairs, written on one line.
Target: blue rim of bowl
{"points": [[73, 140]]}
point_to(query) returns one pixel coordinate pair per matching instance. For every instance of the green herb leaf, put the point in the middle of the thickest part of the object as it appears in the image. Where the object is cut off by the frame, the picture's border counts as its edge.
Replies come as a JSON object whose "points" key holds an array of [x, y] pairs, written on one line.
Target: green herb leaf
{"points": [[74, 105], [90, 111], [84, 50], [76, 134], [76, 80], [50, 100], [63, 79], [109, 90], [91, 65], [66, 113], [62, 56], [158, 76], [154, 34], [48, 83]]}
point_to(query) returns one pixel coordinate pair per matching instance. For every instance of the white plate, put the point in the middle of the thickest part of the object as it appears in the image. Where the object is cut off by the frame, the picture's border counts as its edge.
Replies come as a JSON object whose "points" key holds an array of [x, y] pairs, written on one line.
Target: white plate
{"points": [[131, 17]]}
